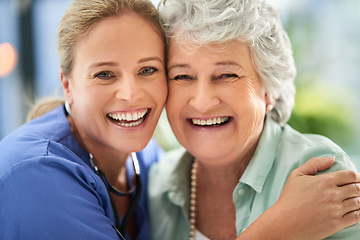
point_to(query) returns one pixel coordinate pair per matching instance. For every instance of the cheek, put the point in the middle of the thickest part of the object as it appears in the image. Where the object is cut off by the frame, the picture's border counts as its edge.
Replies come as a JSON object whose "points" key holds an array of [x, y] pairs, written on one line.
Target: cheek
{"points": [[173, 109], [254, 118], [254, 97], [251, 109], [171, 112], [175, 97], [90, 102], [161, 91], [157, 89]]}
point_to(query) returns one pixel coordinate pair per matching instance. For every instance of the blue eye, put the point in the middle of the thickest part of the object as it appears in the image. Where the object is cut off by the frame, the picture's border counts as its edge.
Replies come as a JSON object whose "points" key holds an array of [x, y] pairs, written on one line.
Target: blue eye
{"points": [[146, 71], [104, 75]]}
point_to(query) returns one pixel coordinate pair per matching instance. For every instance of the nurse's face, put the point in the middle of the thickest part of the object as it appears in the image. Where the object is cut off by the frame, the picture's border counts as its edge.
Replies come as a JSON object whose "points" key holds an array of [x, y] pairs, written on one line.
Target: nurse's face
{"points": [[118, 87], [216, 103]]}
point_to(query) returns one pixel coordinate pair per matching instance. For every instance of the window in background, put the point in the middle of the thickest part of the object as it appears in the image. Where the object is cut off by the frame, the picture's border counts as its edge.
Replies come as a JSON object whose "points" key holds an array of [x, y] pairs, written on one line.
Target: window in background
{"points": [[47, 15]]}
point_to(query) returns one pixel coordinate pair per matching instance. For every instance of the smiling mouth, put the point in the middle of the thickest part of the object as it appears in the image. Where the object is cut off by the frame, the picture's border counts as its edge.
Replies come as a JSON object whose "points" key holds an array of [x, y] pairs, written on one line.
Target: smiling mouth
{"points": [[210, 122], [130, 119]]}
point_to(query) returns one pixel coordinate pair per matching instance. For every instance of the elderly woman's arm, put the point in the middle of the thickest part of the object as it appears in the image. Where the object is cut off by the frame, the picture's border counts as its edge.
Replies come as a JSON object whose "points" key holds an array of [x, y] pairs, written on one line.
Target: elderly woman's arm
{"points": [[310, 207]]}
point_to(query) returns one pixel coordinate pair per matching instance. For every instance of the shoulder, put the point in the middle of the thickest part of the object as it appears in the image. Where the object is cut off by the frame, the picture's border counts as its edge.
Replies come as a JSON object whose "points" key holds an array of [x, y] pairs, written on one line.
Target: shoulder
{"points": [[291, 136], [168, 194], [35, 139], [42, 175], [301, 147], [167, 174], [36, 190], [162, 170]]}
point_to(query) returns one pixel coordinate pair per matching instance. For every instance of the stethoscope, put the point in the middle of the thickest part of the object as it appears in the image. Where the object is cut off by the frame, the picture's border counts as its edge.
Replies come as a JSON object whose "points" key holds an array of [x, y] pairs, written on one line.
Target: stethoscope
{"points": [[135, 190]]}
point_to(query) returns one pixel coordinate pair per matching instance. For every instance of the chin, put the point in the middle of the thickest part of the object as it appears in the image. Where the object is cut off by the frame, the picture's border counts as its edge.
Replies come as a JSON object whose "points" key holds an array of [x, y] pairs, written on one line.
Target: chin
{"points": [[136, 146], [205, 152]]}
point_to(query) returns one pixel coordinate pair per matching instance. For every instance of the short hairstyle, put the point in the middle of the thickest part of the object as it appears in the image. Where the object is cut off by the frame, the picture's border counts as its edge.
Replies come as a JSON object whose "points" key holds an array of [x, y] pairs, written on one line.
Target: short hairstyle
{"points": [[251, 21], [81, 16]]}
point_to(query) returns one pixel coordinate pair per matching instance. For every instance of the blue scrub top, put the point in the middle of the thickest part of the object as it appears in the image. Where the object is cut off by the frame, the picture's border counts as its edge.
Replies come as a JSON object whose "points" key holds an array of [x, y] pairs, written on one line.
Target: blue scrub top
{"points": [[48, 189]]}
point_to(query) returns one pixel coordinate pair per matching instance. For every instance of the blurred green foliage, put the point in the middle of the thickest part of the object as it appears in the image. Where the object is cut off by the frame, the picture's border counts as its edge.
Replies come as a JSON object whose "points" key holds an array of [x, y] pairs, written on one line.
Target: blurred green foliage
{"points": [[324, 108]]}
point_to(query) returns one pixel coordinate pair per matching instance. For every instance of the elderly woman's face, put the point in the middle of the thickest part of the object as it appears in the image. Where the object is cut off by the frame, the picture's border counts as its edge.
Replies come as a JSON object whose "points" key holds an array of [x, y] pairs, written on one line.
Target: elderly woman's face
{"points": [[118, 87], [216, 104]]}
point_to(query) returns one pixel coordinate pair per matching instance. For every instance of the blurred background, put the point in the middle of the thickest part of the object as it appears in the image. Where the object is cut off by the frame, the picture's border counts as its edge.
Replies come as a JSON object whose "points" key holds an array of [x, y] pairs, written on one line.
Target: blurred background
{"points": [[325, 35]]}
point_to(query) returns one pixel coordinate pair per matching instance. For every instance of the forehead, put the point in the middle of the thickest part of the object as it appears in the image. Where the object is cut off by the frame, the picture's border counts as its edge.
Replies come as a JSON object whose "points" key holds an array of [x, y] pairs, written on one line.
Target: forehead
{"points": [[122, 28], [231, 51], [127, 36]]}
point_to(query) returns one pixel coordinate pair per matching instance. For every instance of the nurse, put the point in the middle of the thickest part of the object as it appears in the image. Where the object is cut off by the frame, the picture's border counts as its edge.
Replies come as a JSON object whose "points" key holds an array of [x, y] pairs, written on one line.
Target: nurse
{"points": [[68, 174]]}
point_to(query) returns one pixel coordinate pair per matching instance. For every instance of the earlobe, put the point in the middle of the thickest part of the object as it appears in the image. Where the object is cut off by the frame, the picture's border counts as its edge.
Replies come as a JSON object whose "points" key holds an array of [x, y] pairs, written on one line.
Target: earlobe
{"points": [[269, 101], [65, 82]]}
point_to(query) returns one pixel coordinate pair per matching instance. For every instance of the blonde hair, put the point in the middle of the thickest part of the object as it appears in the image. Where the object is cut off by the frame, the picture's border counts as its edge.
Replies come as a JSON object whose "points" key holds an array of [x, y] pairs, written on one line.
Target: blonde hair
{"points": [[81, 16], [43, 106]]}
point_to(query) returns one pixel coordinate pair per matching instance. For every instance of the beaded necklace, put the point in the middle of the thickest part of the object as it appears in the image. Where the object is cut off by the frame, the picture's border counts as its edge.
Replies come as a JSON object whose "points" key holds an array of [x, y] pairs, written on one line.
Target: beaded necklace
{"points": [[193, 185]]}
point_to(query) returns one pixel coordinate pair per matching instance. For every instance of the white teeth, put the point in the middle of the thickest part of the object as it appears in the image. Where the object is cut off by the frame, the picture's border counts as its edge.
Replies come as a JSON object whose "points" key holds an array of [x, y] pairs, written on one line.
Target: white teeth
{"points": [[135, 117], [210, 122], [132, 124], [129, 117]]}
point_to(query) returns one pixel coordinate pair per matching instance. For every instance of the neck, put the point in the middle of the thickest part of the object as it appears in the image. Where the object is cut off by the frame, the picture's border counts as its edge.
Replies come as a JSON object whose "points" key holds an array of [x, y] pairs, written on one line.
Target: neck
{"points": [[114, 167], [215, 223], [224, 177], [111, 163], [226, 170], [216, 180]]}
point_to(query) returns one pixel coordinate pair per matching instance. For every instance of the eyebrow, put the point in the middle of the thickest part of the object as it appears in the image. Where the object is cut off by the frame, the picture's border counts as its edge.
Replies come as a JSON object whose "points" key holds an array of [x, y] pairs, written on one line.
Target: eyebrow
{"points": [[231, 63], [179, 66], [112, 64], [150, 59], [100, 64]]}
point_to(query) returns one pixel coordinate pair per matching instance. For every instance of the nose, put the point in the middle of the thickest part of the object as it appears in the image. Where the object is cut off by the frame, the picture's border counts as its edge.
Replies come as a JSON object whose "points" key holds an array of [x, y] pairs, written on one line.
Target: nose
{"points": [[204, 96], [130, 89]]}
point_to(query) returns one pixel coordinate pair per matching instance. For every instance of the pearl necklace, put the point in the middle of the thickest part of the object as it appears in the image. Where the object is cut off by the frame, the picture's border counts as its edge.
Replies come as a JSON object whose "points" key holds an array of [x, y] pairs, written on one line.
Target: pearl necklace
{"points": [[193, 185]]}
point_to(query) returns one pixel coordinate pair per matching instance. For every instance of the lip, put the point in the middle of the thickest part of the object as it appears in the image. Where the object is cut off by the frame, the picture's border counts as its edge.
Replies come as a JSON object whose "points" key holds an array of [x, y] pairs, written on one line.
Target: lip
{"points": [[129, 119]]}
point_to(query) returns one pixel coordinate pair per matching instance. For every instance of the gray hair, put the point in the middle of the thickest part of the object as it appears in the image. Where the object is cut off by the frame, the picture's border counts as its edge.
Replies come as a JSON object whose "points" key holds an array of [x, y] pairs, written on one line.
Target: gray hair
{"points": [[251, 21]]}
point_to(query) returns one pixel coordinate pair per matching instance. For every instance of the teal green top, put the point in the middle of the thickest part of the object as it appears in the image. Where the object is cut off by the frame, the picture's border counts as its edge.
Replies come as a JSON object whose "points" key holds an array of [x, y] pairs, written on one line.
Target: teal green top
{"points": [[280, 150]]}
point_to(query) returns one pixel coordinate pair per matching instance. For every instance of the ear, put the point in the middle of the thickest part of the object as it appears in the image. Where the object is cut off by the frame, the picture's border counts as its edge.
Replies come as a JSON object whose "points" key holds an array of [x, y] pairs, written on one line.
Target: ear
{"points": [[65, 82], [269, 101]]}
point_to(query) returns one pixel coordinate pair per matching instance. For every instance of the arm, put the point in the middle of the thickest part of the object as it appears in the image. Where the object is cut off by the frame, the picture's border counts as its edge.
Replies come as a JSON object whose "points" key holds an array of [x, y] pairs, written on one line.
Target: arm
{"points": [[310, 207]]}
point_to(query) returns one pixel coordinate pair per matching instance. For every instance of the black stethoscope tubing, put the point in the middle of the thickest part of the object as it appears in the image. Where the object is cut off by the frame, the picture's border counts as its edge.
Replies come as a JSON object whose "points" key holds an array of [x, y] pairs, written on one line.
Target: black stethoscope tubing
{"points": [[135, 190]]}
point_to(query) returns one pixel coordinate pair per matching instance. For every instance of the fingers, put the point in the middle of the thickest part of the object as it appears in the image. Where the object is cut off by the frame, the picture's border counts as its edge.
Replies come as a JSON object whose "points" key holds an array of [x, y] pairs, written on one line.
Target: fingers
{"points": [[315, 165], [351, 205], [344, 177], [350, 191], [351, 218]]}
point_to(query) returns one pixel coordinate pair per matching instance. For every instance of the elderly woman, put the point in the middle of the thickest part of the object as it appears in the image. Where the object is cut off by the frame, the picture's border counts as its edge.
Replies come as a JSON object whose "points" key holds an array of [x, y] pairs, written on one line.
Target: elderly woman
{"points": [[231, 91], [68, 174]]}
